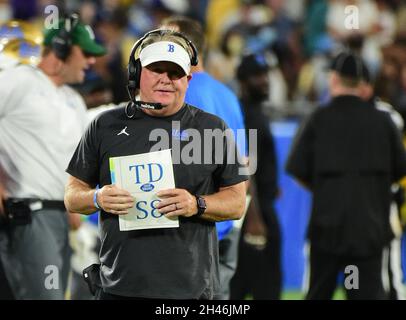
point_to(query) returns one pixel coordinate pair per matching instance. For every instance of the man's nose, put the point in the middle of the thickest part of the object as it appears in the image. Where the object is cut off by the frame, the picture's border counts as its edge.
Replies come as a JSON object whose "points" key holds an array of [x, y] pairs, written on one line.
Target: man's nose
{"points": [[164, 76]]}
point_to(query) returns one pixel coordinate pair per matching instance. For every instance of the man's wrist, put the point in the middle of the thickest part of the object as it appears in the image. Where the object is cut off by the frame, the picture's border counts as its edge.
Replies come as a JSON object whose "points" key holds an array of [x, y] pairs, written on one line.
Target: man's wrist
{"points": [[201, 205], [95, 203]]}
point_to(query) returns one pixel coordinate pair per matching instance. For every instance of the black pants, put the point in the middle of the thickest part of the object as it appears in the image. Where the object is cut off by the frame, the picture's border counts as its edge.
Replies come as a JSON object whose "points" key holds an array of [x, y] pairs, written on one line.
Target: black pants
{"points": [[325, 268], [5, 290], [259, 272]]}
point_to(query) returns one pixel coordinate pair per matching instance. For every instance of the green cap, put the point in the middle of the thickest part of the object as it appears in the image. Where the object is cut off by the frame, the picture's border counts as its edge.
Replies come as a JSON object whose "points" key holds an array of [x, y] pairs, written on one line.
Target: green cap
{"points": [[81, 35]]}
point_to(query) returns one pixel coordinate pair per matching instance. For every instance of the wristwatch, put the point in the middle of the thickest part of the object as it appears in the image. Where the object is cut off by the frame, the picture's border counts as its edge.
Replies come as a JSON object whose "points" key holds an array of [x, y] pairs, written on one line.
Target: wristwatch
{"points": [[201, 205]]}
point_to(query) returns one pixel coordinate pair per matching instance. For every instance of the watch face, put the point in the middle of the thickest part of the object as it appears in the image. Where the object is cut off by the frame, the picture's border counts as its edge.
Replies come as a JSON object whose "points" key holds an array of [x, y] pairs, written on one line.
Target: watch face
{"points": [[201, 203]]}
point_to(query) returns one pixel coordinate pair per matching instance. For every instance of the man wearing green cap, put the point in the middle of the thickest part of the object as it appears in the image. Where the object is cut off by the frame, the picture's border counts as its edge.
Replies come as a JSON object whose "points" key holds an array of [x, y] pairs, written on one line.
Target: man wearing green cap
{"points": [[41, 121]]}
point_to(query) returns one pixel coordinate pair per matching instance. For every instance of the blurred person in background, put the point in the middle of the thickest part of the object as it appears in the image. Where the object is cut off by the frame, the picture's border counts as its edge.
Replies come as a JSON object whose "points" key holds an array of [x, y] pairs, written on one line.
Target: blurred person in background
{"points": [[14, 50], [42, 119], [348, 155], [259, 270], [393, 286], [259, 27], [390, 84], [111, 26]]}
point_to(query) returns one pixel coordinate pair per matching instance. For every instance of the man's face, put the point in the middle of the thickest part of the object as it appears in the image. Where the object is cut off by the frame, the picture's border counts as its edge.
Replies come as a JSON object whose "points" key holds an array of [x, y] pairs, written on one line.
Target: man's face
{"points": [[74, 67], [166, 83], [258, 86]]}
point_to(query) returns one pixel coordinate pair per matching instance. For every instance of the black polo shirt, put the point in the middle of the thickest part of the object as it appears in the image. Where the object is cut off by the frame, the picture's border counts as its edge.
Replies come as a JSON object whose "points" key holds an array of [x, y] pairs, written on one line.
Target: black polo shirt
{"points": [[349, 154], [174, 263]]}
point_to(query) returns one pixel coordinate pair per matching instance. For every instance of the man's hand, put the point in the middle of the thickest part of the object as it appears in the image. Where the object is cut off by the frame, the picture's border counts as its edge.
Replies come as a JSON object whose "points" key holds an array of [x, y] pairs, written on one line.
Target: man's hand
{"points": [[177, 202], [115, 200]]}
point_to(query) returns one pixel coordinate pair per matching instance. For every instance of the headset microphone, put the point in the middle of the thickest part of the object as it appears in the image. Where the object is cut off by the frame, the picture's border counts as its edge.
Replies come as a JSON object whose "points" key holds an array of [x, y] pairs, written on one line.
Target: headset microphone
{"points": [[132, 107], [148, 105]]}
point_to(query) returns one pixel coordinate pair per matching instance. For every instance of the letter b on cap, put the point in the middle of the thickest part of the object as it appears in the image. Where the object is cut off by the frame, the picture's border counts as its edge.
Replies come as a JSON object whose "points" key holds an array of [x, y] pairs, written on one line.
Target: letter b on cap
{"points": [[171, 48]]}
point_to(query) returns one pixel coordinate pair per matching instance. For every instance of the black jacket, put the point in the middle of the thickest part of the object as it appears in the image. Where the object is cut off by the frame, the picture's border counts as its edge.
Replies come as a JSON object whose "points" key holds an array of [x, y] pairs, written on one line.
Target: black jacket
{"points": [[348, 154]]}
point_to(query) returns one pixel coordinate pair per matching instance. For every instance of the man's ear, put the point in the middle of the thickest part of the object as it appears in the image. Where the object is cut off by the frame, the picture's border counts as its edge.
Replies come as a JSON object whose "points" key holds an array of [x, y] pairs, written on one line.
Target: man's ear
{"points": [[56, 62], [333, 80], [189, 77]]}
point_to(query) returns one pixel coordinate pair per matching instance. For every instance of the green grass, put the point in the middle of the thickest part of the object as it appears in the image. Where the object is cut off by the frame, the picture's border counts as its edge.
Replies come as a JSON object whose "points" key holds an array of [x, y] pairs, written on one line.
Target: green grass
{"points": [[298, 295], [339, 294]]}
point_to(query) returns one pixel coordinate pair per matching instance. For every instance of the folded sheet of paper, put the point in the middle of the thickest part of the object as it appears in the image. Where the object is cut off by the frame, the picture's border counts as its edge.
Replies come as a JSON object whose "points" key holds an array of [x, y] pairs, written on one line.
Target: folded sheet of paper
{"points": [[143, 175]]}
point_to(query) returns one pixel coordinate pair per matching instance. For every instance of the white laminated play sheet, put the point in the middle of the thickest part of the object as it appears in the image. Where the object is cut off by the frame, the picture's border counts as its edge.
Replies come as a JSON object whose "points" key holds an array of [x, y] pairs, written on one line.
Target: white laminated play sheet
{"points": [[143, 175]]}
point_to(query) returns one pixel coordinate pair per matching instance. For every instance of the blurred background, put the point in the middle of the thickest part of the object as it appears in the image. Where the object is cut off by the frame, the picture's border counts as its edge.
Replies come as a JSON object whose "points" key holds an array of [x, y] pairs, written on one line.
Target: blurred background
{"points": [[298, 39]]}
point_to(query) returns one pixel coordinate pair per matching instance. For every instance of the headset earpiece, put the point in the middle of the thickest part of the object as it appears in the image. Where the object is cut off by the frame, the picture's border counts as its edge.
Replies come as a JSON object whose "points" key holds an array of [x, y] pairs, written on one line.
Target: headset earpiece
{"points": [[194, 60], [134, 67], [134, 73], [62, 42]]}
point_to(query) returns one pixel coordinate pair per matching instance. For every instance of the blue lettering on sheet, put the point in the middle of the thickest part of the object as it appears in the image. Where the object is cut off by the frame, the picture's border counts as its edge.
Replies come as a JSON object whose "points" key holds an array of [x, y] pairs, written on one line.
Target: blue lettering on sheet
{"points": [[141, 206], [138, 206], [150, 172], [137, 173], [155, 172]]}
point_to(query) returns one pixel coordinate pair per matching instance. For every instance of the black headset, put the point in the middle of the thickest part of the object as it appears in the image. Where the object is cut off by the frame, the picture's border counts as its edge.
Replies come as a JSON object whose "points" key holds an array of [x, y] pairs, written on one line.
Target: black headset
{"points": [[134, 65], [62, 42]]}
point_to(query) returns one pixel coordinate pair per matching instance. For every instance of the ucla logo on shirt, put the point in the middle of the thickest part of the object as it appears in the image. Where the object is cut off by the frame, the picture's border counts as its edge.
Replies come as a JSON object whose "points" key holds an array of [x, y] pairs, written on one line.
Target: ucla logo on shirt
{"points": [[180, 135], [171, 48], [146, 175]]}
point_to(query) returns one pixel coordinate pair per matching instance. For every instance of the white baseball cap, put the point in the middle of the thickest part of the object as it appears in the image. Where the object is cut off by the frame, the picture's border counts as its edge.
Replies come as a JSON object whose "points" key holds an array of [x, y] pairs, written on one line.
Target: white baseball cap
{"points": [[165, 51]]}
